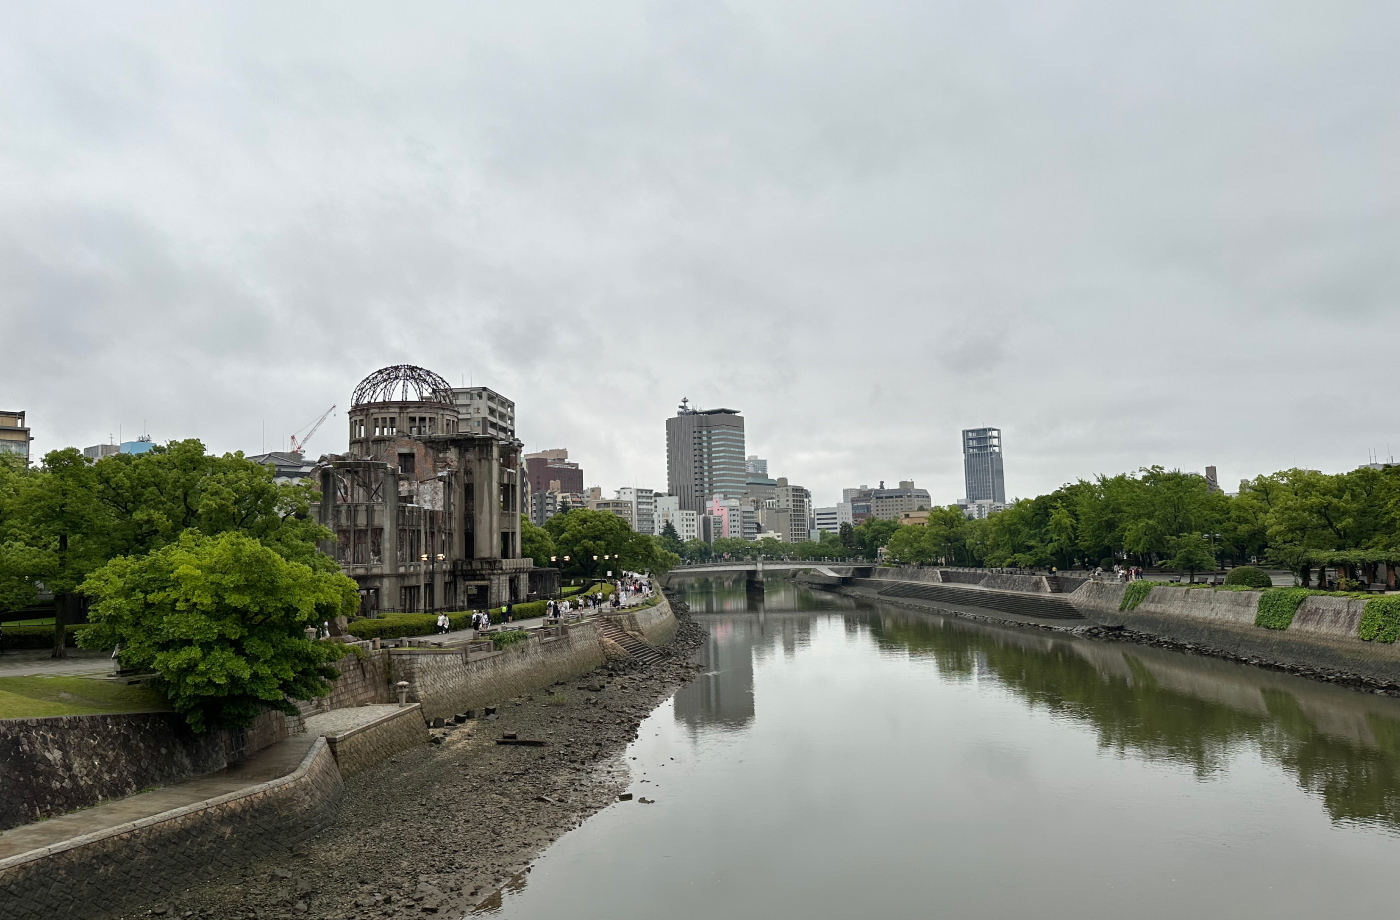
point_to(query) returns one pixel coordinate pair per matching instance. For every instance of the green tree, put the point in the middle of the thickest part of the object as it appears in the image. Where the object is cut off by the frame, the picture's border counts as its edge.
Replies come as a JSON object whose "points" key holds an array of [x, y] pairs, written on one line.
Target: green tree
{"points": [[697, 551], [1191, 553], [670, 540], [733, 546], [909, 546], [222, 621], [56, 533], [536, 543], [587, 537], [871, 535]]}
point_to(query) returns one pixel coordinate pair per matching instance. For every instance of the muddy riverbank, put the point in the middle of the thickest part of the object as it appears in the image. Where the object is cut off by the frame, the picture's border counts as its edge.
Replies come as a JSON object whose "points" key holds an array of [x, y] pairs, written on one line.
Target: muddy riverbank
{"points": [[440, 828]]}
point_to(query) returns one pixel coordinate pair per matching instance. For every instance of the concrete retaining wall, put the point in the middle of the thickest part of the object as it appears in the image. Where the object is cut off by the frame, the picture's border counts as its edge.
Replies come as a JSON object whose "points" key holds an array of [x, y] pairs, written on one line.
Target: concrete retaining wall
{"points": [[1025, 584], [908, 573], [1237, 608], [656, 624], [1322, 637], [448, 681], [367, 745], [1332, 617], [1098, 597], [105, 874], [60, 764]]}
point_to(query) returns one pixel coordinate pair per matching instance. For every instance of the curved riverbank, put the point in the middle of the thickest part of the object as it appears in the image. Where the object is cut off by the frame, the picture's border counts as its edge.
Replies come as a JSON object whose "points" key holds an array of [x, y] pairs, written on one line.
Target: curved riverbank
{"points": [[439, 828], [1220, 624]]}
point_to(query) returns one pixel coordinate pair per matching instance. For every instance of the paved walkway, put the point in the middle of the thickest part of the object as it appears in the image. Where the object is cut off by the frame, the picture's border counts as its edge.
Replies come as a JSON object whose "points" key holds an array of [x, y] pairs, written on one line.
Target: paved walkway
{"points": [[268, 764], [81, 662]]}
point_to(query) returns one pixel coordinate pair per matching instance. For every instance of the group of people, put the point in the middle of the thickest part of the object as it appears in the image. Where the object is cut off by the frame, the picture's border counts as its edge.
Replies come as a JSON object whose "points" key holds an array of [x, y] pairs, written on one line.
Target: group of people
{"points": [[1121, 573], [555, 611]]}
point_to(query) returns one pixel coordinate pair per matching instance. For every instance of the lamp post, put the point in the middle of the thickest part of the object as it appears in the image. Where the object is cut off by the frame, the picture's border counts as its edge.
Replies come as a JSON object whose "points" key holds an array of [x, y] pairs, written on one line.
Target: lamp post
{"points": [[432, 574], [427, 582]]}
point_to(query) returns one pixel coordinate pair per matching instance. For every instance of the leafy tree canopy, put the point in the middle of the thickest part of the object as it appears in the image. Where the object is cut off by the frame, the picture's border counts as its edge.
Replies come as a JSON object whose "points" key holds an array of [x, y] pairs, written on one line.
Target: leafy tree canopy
{"points": [[222, 621]]}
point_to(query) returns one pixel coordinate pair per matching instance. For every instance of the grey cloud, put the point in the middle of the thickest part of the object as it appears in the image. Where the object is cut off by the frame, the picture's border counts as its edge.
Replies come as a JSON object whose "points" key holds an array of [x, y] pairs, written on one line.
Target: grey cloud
{"points": [[1125, 233]]}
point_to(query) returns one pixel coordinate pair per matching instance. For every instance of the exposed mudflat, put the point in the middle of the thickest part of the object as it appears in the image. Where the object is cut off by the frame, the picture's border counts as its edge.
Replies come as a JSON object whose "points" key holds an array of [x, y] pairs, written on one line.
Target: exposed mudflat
{"points": [[441, 828]]}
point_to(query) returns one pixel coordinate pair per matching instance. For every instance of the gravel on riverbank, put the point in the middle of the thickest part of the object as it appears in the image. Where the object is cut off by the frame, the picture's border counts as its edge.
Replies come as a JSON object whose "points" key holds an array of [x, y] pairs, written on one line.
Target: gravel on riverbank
{"points": [[440, 828]]}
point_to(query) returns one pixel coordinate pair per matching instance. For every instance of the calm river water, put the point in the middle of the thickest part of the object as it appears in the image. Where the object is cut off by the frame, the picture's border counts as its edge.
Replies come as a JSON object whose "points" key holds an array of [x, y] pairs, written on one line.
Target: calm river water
{"points": [[853, 761]]}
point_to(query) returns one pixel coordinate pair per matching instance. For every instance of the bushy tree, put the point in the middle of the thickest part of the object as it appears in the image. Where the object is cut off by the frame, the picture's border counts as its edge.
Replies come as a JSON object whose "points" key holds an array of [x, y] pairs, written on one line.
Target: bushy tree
{"points": [[222, 621], [583, 534], [1191, 553], [697, 551], [536, 543]]}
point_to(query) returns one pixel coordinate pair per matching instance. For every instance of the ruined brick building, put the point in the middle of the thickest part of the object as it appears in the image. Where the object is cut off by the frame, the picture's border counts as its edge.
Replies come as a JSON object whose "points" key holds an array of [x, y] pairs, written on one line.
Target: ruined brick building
{"points": [[425, 515]]}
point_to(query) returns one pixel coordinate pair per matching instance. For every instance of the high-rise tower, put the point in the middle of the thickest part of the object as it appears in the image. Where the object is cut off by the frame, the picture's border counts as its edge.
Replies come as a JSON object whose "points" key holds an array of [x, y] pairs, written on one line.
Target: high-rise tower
{"points": [[705, 455], [982, 470]]}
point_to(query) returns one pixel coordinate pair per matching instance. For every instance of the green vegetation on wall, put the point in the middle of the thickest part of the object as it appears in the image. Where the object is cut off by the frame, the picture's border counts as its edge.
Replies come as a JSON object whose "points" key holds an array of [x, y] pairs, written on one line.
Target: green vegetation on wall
{"points": [[1278, 605], [1137, 592], [1380, 621]]}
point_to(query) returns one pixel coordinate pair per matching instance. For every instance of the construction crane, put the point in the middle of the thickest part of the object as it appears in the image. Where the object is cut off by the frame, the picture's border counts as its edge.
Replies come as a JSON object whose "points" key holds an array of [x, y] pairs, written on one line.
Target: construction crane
{"points": [[297, 442]]}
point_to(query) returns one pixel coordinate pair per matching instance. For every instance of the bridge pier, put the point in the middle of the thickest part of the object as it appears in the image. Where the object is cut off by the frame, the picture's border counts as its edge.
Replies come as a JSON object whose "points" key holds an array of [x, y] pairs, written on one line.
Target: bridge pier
{"points": [[753, 586]]}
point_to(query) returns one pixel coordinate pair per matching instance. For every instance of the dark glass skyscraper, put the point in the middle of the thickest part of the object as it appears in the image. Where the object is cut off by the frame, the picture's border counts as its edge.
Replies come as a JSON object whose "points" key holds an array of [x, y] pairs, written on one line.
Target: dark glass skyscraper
{"points": [[705, 456], [982, 465]]}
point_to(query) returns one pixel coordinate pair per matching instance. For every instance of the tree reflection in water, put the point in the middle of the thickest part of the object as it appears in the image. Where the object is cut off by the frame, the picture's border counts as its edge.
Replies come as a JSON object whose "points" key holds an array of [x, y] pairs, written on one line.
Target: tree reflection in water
{"points": [[1339, 745]]}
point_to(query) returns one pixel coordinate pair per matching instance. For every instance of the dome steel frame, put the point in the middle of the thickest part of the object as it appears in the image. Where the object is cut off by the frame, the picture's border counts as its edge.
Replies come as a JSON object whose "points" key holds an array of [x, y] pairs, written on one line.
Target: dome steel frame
{"points": [[403, 383]]}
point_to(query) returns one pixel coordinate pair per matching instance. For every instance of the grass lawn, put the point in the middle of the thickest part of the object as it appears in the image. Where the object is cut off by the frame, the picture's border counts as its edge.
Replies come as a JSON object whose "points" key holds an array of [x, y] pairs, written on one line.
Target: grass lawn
{"points": [[42, 621], [35, 697]]}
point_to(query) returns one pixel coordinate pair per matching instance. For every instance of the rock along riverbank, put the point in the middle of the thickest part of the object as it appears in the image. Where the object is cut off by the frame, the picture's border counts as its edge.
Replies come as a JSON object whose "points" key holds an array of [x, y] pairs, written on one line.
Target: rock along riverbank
{"points": [[440, 828]]}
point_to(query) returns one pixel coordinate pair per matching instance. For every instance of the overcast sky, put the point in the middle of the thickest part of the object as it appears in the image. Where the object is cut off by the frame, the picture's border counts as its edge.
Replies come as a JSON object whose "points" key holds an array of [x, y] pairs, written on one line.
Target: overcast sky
{"points": [[1125, 232]]}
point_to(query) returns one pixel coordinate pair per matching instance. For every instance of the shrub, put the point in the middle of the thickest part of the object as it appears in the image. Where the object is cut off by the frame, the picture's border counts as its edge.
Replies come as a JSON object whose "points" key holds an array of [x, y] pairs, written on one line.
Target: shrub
{"points": [[36, 637], [1106, 563], [510, 637], [1249, 576], [1380, 621], [1277, 606], [397, 625]]}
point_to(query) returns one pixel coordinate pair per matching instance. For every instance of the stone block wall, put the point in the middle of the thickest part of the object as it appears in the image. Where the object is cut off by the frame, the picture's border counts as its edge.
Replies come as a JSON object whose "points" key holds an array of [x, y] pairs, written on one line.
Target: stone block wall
{"points": [[364, 678], [63, 763], [1334, 617], [656, 624], [105, 874], [916, 573], [367, 745], [449, 681], [1236, 608], [1026, 584]]}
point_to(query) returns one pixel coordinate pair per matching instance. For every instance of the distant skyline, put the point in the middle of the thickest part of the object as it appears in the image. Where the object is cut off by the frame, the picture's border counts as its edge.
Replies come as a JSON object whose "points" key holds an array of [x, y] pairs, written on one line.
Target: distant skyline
{"points": [[1128, 234]]}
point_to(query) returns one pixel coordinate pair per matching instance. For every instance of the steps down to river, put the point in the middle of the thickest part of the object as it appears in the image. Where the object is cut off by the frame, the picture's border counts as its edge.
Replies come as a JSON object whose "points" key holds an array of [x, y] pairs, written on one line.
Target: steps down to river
{"points": [[1042, 606], [638, 650]]}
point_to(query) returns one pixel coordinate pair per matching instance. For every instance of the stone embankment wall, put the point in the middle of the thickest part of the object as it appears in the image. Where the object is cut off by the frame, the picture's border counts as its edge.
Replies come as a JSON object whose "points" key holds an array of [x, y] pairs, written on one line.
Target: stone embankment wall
{"points": [[63, 763], [364, 678], [367, 745], [1023, 584], [104, 874], [656, 624], [447, 681], [1322, 637]]}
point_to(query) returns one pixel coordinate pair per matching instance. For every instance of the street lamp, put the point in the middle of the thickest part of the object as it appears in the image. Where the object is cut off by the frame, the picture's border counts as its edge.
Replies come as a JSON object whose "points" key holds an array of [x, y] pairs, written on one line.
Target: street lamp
{"points": [[428, 584]]}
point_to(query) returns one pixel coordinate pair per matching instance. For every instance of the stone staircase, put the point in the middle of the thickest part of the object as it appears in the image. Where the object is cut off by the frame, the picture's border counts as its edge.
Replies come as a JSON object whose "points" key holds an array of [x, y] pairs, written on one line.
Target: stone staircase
{"points": [[1041, 606], [638, 650]]}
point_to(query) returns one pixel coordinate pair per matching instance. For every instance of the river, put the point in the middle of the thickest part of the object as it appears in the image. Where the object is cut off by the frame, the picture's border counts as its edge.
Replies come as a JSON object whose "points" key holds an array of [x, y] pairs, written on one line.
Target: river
{"points": [[846, 760]]}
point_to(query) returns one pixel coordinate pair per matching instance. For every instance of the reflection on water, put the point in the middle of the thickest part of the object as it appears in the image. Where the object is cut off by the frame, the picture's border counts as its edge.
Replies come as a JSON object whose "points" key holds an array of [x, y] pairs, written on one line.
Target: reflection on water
{"points": [[723, 697], [840, 759], [1158, 705]]}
